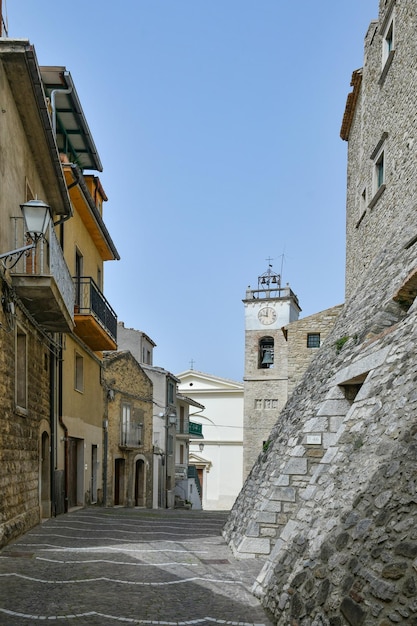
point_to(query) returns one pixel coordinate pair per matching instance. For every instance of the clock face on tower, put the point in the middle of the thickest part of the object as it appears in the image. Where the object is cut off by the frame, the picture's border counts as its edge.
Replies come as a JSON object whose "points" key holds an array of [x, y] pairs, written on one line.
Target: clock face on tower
{"points": [[267, 315]]}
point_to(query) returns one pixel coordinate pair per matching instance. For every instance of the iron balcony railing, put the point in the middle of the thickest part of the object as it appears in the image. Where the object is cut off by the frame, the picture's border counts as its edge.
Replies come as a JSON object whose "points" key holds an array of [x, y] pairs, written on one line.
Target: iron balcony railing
{"points": [[46, 259], [90, 301], [192, 473], [131, 434]]}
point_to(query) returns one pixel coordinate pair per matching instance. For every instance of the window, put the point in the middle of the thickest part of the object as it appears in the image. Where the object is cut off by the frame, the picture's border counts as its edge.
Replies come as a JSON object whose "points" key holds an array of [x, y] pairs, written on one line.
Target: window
{"points": [[389, 40], [388, 43], [21, 369], [125, 430], [170, 392], [182, 419], [362, 203], [266, 353], [379, 171], [270, 403], [378, 157], [313, 340], [79, 372]]}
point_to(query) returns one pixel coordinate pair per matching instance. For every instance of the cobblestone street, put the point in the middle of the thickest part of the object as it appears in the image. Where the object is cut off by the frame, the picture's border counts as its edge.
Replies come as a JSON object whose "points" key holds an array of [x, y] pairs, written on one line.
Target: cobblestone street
{"points": [[99, 566]]}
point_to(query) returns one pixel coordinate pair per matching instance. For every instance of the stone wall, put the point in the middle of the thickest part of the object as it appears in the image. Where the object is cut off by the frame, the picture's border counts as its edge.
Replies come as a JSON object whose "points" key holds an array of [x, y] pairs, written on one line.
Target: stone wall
{"points": [[331, 461], [332, 502], [385, 111], [20, 430], [299, 354]]}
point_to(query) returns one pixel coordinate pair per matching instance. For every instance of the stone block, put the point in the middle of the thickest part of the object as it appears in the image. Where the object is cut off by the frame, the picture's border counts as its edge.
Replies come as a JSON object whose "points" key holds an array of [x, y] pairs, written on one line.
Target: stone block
{"points": [[330, 455], [253, 530], [288, 530], [335, 422], [266, 517], [316, 424], [334, 407], [296, 466], [282, 481], [308, 492], [361, 366], [297, 451], [284, 494], [273, 506], [254, 546]]}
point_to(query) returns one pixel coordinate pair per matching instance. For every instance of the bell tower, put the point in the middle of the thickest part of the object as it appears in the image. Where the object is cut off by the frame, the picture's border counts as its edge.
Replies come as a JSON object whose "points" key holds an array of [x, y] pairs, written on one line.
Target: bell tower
{"points": [[267, 309]]}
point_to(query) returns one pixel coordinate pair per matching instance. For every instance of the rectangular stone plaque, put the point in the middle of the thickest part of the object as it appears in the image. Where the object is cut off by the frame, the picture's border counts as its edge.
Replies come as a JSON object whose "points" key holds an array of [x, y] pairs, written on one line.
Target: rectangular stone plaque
{"points": [[313, 439]]}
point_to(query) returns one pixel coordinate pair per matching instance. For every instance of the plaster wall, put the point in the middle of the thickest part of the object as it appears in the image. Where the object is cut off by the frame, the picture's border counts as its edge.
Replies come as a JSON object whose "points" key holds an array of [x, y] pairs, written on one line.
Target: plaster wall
{"points": [[222, 422]]}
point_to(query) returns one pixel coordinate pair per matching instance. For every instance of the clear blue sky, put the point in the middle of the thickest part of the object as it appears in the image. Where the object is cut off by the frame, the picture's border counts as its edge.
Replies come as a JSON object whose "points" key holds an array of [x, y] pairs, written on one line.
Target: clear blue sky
{"points": [[217, 123]]}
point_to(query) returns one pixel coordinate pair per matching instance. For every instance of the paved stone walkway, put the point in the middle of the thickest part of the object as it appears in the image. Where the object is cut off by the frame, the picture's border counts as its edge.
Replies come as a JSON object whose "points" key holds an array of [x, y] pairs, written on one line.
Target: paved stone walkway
{"points": [[97, 567]]}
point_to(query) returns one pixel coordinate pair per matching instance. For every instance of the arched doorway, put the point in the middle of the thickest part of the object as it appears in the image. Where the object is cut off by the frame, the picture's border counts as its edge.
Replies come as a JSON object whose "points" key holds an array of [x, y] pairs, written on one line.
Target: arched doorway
{"points": [[119, 482], [140, 476], [45, 476]]}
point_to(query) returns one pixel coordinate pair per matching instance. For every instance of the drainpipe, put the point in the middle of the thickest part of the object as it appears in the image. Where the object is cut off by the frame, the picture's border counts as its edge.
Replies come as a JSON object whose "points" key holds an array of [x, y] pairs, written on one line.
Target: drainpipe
{"points": [[105, 452], [53, 107], [52, 366], [65, 429]]}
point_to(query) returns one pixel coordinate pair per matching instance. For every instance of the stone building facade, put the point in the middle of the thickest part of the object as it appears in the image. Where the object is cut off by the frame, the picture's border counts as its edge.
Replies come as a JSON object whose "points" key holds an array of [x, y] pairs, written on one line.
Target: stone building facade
{"points": [[332, 503], [55, 319], [304, 337], [34, 306], [128, 450]]}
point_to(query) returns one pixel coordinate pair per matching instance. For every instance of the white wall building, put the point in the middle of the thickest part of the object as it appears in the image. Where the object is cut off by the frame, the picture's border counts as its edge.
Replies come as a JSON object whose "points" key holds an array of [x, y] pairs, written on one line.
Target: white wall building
{"points": [[220, 462]]}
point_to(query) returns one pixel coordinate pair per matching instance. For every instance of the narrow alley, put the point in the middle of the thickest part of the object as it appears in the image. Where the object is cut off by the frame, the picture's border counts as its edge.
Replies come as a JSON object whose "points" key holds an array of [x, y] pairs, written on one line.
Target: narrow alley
{"points": [[99, 566]]}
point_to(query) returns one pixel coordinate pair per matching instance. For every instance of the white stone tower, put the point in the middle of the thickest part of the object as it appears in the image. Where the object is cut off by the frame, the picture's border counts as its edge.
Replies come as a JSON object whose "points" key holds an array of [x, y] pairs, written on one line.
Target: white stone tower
{"points": [[268, 309]]}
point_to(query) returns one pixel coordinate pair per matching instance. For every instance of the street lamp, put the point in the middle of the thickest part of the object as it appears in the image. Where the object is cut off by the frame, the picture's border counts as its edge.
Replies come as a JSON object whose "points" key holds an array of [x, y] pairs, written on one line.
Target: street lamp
{"points": [[36, 215]]}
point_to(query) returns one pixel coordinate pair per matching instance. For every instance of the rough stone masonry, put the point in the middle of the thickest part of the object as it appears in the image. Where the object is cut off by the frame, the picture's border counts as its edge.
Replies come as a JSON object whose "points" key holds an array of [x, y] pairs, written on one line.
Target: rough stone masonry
{"points": [[332, 501]]}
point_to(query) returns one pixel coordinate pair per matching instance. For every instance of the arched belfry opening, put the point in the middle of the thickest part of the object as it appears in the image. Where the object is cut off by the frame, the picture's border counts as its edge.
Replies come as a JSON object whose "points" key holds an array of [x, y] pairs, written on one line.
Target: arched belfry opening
{"points": [[266, 353]]}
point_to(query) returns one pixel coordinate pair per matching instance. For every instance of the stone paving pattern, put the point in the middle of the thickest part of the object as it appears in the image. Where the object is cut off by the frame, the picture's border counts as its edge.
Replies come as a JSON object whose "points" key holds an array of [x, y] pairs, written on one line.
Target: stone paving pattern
{"points": [[100, 566]]}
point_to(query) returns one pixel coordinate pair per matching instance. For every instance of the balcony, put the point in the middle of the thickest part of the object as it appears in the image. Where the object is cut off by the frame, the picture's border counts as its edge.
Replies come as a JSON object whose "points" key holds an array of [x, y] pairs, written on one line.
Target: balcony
{"points": [[95, 320], [43, 282], [131, 434]]}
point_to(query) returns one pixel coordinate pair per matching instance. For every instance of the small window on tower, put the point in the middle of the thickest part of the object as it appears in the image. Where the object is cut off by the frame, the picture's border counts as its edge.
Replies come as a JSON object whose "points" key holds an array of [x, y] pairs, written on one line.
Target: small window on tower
{"points": [[388, 44], [313, 340]]}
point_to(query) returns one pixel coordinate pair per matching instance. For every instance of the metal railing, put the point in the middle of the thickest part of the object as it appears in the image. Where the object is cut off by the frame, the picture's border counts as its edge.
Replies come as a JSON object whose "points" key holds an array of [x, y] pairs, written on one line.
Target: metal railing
{"points": [[131, 434], [90, 301], [192, 473], [46, 259]]}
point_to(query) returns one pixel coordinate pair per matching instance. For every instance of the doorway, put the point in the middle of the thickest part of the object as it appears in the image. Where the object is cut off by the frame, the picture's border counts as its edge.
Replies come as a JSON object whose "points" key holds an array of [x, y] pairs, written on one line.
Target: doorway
{"points": [[45, 475], [75, 473], [93, 474], [140, 483], [119, 474]]}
